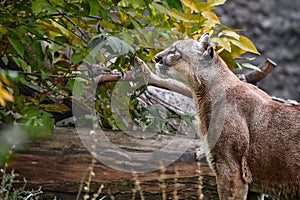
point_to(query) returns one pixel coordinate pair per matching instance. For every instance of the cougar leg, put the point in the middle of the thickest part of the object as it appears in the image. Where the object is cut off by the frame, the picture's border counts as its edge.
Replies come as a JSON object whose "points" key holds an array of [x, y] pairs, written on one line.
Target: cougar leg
{"points": [[231, 185]]}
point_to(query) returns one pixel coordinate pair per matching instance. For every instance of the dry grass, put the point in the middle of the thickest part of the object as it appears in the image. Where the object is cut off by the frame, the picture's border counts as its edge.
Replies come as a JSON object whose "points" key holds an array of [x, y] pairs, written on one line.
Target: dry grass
{"points": [[9, 192]]}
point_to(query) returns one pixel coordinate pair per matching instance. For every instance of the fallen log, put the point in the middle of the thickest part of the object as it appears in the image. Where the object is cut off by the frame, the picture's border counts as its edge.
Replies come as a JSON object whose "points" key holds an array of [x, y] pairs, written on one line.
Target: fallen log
{"points": [[63, 166]]}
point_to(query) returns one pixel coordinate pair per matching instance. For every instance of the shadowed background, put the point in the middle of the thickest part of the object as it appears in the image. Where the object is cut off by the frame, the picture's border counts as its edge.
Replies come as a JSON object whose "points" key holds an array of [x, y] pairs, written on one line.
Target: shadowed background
{"points": [[274, 27]]}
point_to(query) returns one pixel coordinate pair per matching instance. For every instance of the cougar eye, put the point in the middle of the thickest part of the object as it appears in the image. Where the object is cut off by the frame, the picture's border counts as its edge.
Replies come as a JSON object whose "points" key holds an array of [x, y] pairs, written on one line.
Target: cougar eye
{"points": [[210, 51]]}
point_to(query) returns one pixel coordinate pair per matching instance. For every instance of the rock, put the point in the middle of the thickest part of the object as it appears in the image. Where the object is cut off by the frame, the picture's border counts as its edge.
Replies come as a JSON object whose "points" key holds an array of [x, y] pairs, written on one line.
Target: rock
{"points": [[274, 28]]}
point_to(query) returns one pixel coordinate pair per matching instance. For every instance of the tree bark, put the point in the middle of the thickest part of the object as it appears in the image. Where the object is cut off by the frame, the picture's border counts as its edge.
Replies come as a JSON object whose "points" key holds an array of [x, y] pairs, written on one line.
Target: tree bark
{"points": [[61, 165]]}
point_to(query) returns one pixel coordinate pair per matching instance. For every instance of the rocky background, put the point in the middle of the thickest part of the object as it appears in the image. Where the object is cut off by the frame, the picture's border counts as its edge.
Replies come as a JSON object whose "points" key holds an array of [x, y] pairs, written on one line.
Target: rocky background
{"points": [[274, 27]]}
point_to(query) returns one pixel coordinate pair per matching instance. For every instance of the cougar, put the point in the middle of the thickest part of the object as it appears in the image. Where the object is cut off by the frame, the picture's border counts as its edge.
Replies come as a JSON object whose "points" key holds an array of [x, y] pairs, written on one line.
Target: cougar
{"points": [[252, 143]]}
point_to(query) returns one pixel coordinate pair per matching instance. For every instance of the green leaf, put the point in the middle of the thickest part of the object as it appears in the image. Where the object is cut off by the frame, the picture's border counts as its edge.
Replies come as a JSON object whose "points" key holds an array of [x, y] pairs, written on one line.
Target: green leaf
{"points": [[61, 39], [250, 66], [236, 51], [97, 40], [45, 74], [244, 58], [86, 8], [176, 4], [226, 56], [94, 7], [119, 46], [136, 3], [76, 58], [39, 51], [3, 30], [18, 46], [22, 64], [77, 89], [38, 6], [4, 60], [245, 44]]}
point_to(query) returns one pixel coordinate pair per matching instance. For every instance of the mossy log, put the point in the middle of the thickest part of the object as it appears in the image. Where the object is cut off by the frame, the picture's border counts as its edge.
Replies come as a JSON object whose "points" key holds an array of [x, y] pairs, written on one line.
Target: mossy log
{"points": [[61, 165]]}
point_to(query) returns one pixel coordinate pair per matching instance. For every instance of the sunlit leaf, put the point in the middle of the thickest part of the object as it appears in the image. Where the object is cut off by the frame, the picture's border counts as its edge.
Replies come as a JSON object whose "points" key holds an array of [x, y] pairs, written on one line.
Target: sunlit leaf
{"points": [[250, 66], [192, 5], [245, 44], [231, 33], [160, 8], [4, 95], [244, 58], [215, 2], [211, 17], [236, 51], [223, 42]]}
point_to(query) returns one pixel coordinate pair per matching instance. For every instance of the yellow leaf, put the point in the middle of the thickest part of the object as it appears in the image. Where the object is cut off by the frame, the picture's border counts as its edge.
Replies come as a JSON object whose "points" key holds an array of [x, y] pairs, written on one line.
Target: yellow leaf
{"points": [[2, 102], [5, 81], [212, 3], [223, 42], [4, 96], [211, 17], [171, 13], [190, 4], [245, 44], [231, 34], [152, 10], [236, 51]]}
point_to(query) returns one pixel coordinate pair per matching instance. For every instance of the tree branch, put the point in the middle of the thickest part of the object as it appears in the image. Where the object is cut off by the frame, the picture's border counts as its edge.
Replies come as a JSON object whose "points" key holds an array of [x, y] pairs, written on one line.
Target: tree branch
{"points": [[256, 76], [174, 85], [153, 79]]}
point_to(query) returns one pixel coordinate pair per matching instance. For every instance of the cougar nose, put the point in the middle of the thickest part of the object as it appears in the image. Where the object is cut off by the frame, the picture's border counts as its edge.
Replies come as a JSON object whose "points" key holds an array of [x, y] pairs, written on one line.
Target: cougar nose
{"points": [[157, 58]]}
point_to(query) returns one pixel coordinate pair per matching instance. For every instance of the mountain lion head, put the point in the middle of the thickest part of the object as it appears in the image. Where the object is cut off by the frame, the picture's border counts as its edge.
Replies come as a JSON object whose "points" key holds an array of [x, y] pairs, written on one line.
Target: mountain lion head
{"points": [[186, 57]]}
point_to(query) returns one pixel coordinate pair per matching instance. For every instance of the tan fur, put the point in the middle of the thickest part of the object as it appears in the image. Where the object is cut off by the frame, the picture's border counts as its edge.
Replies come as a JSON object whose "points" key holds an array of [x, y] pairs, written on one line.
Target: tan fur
{"points": [[253, 143]]}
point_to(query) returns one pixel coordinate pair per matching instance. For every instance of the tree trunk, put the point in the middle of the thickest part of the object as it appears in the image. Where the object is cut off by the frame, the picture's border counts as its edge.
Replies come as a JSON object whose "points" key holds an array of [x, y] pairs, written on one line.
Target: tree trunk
{"points": [[61, 165]]}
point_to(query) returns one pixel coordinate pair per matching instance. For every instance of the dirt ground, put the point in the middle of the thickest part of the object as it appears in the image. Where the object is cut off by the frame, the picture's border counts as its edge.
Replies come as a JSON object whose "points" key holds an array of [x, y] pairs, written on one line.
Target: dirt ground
{"points": [[274, 27]]}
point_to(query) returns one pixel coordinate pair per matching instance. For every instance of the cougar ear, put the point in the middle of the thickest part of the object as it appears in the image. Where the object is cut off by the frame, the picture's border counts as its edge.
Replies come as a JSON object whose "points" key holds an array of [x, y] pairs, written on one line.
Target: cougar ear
{"points": [[205, 39], [208, 51]]}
